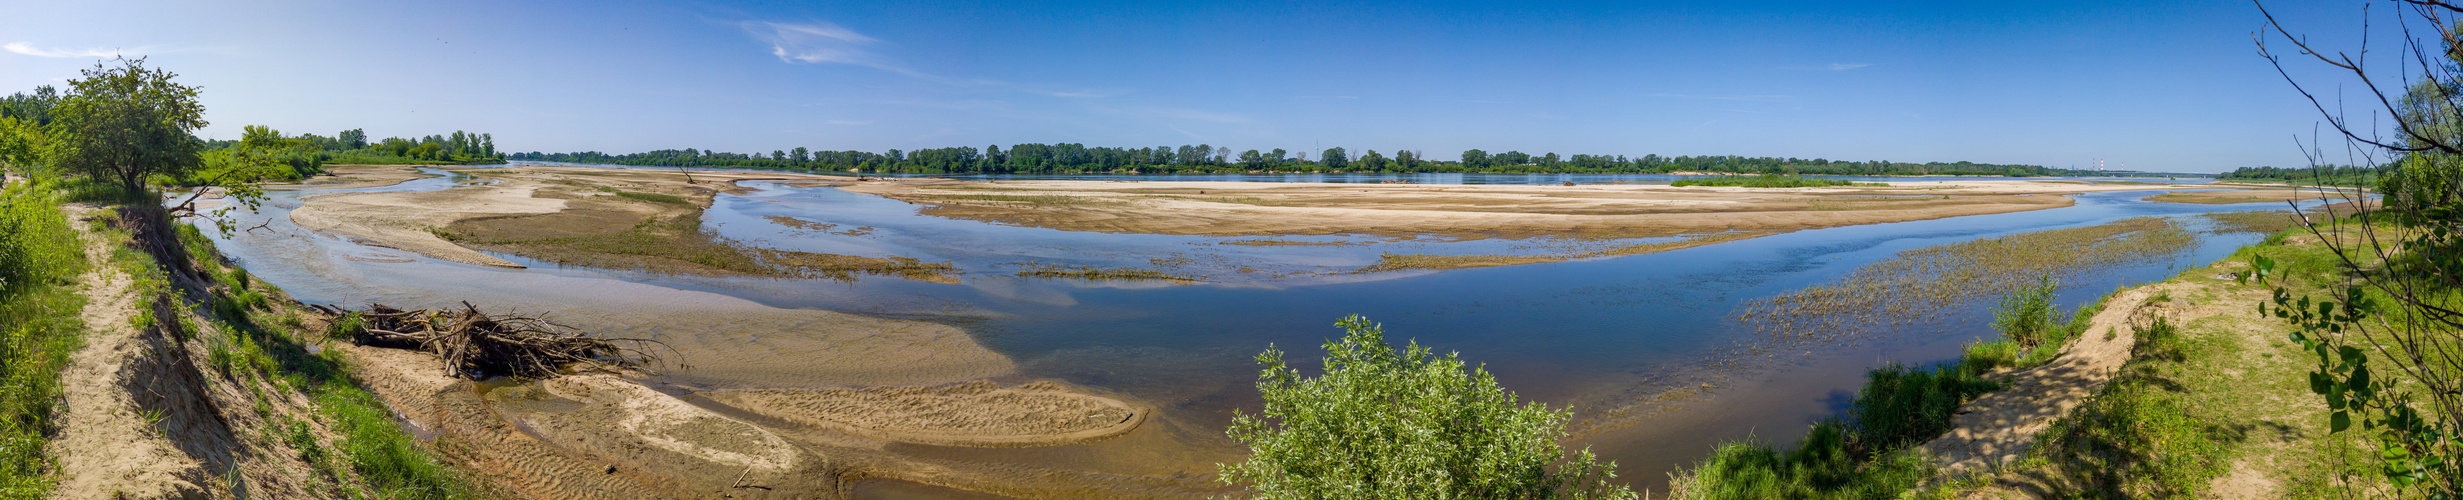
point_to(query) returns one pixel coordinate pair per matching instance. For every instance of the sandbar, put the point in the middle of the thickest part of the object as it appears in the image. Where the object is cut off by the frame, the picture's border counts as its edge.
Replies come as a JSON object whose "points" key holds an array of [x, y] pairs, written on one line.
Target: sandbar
{"points": [[1461, 212]]}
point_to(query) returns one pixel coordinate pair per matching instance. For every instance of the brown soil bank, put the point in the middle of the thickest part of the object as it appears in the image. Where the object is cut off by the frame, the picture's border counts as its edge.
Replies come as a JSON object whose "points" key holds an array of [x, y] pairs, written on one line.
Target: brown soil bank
{"points": [[610, 218], [1460, 211]]}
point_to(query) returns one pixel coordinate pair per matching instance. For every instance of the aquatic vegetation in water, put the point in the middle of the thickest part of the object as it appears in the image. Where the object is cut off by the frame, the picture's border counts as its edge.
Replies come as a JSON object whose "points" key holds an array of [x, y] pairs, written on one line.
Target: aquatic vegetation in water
{"points": [[679, 244], [1920, 284], [1106, 274], [1404, 262], [2258, 221]]}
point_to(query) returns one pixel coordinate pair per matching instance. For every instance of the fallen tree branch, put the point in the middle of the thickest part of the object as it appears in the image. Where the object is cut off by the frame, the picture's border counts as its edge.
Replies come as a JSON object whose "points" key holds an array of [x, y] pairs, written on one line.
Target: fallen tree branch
{"points": [[476, 345]]}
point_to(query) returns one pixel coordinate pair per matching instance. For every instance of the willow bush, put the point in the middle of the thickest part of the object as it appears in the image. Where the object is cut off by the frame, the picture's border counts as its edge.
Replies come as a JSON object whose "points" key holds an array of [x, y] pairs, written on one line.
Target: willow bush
{"points": [[1387, 423]]}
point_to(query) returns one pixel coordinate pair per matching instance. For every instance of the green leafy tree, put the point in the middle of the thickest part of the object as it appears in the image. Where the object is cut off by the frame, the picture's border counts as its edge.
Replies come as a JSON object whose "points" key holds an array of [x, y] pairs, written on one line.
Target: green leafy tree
{"points": [[1334, 158], [238, 172], [1475, 160], [21, 145], [127, 123], [1381, 423], [1372, 161]]}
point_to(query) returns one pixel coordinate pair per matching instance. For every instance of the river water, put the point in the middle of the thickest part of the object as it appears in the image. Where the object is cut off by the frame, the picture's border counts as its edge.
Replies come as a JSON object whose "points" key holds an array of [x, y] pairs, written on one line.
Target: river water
{"points": [[1590, 334]]}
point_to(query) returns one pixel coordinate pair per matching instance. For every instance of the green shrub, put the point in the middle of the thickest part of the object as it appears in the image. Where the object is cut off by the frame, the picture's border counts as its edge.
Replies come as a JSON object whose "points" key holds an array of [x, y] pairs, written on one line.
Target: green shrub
{"points": [[2026, 315], [1902, 405], [1382, 423], [1819, 467], [39, 243]]}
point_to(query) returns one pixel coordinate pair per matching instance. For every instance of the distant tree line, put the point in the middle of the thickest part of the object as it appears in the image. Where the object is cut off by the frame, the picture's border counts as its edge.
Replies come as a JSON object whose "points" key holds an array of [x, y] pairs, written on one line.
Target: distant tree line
{"points": [[352, 146], [33, 111], [1070, 158], [2328, 175]]}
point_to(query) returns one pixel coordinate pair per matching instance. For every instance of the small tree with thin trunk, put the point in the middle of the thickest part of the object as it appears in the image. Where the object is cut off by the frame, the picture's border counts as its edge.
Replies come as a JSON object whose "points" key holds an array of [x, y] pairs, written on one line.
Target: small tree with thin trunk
{"points": [[126, 123]]}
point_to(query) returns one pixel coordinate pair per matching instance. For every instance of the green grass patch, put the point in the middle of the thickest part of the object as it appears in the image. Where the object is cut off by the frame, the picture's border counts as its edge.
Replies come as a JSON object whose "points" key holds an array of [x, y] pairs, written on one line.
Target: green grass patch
{"points": [[2140, 437], [655, 198], [1862, 456], [40, 325], [253, 340]]}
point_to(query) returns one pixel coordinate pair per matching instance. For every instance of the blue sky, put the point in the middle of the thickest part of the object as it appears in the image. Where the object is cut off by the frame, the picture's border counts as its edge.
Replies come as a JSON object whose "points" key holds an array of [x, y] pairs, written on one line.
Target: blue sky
{"points": [[2169, 86]]}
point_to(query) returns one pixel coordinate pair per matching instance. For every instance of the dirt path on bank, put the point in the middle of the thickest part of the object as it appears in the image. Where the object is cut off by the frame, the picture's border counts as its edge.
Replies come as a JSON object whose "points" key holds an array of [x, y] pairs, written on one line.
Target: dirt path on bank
{"points": [[115, 437], [1996, 429]]}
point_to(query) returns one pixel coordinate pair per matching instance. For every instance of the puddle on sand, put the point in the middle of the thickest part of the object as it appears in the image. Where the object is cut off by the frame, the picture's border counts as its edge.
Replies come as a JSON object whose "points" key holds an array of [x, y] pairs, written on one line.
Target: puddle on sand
{"points": [[1583, 334]]}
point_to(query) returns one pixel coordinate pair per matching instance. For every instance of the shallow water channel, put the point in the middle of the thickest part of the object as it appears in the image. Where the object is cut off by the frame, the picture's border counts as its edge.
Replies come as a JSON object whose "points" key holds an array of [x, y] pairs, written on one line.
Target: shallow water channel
{"points": [[1594, 334]]}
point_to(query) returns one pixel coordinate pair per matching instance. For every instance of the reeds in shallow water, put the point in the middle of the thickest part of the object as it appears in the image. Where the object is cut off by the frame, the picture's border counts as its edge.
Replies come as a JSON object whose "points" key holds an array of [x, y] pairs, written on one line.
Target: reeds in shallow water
{"points": [[1920, 284]]}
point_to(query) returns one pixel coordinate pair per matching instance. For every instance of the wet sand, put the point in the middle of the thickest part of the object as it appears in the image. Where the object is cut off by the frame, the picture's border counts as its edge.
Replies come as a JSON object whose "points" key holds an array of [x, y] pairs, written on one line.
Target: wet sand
{"points": [[977, 413], [1462, 212]]}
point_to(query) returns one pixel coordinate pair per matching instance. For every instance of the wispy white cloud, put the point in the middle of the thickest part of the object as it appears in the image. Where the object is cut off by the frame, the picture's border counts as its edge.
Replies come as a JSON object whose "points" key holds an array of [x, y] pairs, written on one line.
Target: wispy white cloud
{"points": [[29, 49], [1845, 67], [814, 43], [1742, 97], [825, 43], [23, 48]]}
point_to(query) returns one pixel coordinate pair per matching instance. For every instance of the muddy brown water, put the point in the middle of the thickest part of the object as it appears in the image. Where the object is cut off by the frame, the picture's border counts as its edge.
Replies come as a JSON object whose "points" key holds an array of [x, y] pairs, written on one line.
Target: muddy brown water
{"points": [[1610, 338]]}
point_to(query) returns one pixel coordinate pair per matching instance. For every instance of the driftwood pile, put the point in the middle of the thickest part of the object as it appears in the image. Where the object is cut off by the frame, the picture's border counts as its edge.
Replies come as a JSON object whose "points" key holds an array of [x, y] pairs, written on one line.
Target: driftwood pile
{"points": [[476, 345]]}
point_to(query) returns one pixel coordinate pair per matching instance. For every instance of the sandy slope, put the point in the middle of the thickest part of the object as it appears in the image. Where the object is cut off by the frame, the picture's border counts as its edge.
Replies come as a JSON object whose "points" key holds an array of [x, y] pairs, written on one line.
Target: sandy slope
{"points": [[112, 441], [1996, 429]]}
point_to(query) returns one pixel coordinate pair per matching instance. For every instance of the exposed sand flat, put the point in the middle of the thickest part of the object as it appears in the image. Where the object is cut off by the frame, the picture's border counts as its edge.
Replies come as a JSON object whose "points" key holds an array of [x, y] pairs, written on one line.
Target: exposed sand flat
{"points": [[1462, 211], [976, 413], [402, 220], [409, 221]]}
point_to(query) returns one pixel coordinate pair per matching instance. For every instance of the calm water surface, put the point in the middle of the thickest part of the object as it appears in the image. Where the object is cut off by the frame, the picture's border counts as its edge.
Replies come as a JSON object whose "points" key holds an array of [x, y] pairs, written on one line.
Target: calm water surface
{"points": [[1589, 334]]}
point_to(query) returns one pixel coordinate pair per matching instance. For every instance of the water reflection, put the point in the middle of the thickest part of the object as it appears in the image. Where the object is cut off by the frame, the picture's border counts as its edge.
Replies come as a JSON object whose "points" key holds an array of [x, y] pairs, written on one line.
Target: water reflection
{"points": [[1593, 334]]}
